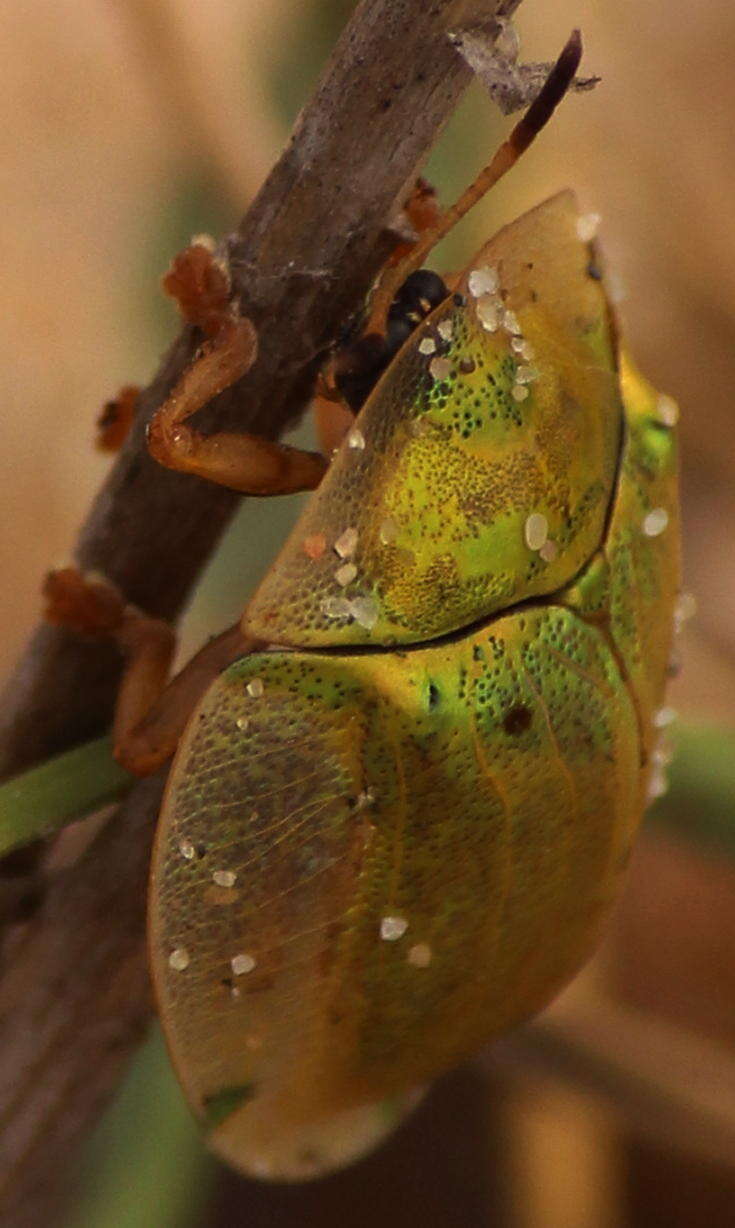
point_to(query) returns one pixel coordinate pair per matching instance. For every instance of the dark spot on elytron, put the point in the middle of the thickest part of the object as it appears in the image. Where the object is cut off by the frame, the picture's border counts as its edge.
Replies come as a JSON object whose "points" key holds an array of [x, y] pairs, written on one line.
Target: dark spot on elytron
{"points": [[459, 300], [220, 1105], [594, 271], [517, 720], [201, 851], [433, 696]]}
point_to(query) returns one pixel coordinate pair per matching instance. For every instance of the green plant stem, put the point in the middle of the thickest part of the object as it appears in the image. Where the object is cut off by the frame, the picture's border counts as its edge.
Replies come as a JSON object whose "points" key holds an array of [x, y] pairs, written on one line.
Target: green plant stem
{"points": [[48, 797], [700, 802]]}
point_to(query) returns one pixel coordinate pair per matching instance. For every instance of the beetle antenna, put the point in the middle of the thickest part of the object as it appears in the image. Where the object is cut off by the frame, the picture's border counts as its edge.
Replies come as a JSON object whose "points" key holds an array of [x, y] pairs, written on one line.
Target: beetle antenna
{"points": [[536, 117]]}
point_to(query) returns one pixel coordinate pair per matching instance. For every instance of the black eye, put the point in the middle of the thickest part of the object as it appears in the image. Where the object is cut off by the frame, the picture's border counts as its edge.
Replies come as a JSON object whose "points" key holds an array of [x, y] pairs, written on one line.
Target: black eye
{"points": [[420, 292]]}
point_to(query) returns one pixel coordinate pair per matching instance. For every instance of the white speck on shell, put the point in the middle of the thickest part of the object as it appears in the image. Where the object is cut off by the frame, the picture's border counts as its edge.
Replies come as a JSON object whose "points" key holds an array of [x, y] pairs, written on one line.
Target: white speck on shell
{"points": [[364, 610], [657, 783], [392, 928], [255, 688], [510, 322], [179, 959], [336, 607], [667, 411], [526, 375], [420, 955], [536, 530], [488, 313], [588, 225], [655, 521], [549, 551], [662, 754], [242, 964], [519, 392], [483, 281], [242, 723], [664, 717], [355, 438], [520, 346], [187, 850], [346, 543], [427, 345], [224, 878], [439, 368], [445, 328], [345, 574]]}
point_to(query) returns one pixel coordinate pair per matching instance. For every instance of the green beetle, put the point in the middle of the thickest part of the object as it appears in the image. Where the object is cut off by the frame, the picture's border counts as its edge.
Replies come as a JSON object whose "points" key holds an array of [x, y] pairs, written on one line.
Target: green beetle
{"points": [[395, 833]]}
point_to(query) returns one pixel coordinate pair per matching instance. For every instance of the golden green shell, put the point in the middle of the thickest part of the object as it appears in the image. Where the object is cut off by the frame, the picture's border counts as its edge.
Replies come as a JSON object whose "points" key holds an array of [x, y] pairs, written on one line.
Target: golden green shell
{"points": [[397, 836]]}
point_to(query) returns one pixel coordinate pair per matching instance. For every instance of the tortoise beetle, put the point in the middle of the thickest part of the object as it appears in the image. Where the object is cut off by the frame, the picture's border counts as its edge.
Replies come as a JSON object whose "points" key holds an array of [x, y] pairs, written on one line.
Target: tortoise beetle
{"points": [[395, 832], [393, 828]]}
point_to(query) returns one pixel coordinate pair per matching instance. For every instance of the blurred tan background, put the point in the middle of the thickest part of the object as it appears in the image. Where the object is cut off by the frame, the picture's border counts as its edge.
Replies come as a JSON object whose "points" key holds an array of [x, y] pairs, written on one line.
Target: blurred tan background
{"points": [[130, 124]]}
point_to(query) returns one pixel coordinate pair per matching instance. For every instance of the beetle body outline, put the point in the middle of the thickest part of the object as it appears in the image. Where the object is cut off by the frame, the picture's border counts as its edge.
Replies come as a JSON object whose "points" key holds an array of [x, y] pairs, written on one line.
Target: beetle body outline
{"points": [[397, 834]]}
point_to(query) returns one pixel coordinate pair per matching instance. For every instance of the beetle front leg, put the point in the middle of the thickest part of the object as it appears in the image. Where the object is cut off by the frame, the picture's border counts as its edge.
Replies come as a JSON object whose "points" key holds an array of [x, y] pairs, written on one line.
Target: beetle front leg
{"points": [[241, 462], [149, 715]]}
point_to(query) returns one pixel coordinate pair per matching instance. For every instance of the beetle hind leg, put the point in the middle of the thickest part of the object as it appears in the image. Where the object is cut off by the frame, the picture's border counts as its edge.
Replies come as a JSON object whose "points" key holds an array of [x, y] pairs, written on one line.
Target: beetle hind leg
{"points": [[94, 607], [149, 715]]}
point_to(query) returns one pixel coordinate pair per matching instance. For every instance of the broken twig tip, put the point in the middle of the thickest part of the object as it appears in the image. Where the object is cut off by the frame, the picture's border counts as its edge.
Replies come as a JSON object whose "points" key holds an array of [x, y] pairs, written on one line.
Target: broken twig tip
{"points": [[513, 85]]}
